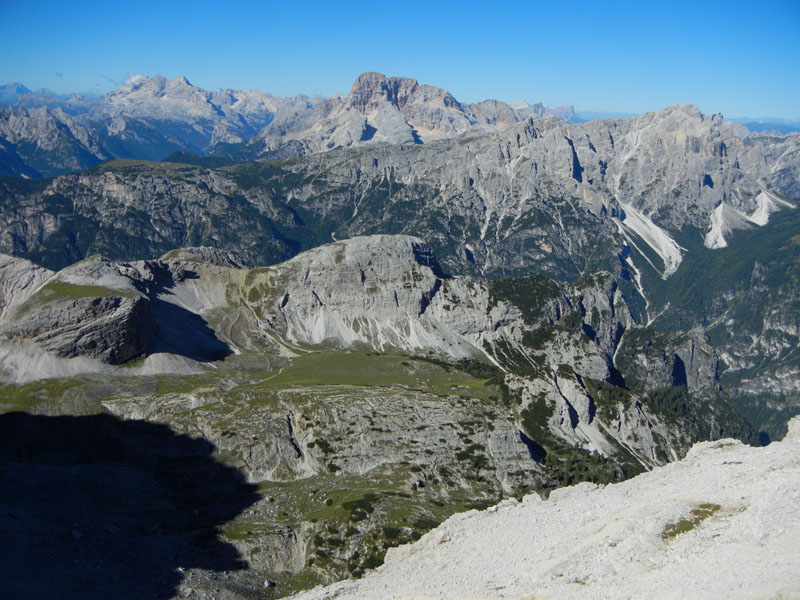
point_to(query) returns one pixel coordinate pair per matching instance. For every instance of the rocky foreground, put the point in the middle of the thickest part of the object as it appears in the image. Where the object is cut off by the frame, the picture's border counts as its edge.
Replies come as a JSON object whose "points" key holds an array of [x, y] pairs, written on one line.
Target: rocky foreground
{"points": [[722, 523]]}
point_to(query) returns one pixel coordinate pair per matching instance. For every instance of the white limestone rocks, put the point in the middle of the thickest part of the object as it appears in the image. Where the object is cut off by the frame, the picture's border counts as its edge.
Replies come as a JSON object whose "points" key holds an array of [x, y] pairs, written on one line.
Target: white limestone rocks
{"points": [[600, 542]]}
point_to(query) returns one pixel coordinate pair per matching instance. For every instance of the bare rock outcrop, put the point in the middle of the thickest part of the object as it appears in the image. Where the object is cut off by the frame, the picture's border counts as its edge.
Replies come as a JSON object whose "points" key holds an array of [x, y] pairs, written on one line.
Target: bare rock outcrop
{"points": [[92, 310], [658, 360], [723, 522], [19, 278]]}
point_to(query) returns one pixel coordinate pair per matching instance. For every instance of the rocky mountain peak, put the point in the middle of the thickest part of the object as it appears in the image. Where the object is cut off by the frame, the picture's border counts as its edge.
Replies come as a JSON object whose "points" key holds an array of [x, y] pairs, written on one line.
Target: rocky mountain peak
{"points": [[151, 117], [140, 82], [157, 85], [10, 92], [372, 89], [683, 111], [156, 97]]}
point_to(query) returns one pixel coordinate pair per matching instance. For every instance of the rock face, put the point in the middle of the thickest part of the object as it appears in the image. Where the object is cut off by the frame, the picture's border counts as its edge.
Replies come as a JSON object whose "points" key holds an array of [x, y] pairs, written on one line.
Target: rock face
{"points": [[91, 310], [111, 329], [114, 312], [19, 279], [537, 195], [635, 197], [389, 293], [721, 523], [45, 141], [505, 191], [577, 302], [661, 360], [374, 291]]}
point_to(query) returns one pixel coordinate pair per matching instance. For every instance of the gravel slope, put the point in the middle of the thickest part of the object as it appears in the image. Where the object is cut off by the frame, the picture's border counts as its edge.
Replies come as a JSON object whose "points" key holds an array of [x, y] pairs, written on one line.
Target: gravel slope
{"points": [[607, 542]]}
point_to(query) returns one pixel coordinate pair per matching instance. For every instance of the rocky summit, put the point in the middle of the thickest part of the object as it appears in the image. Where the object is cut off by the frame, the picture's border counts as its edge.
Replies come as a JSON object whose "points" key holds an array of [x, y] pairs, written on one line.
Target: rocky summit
{"points": [[274, 341]]}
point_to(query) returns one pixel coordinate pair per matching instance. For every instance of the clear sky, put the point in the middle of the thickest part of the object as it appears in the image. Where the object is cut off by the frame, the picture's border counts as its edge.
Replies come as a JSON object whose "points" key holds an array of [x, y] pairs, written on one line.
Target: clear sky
{"points": [[737, 58]]}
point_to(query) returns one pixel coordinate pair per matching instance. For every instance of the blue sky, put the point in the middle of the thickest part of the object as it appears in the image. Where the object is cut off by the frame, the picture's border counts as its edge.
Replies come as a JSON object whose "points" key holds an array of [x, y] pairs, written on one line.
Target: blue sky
{"points": [[738, 58]]}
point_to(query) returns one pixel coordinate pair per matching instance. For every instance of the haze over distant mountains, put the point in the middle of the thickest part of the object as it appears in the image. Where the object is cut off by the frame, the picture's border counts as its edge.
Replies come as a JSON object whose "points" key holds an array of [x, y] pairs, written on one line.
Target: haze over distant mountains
{"points": [[45, 134]]}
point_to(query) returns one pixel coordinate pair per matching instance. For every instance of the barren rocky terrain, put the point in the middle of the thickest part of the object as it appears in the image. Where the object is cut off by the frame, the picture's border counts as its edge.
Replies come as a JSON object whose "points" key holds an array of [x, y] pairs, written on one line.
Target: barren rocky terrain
{"points": [[721, 523]]}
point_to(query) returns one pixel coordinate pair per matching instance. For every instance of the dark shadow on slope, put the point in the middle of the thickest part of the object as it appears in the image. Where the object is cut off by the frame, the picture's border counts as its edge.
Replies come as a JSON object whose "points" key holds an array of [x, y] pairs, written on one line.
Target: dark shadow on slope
{"points": [[368, 133], [425, 256], [536, 451], [183, 332], [180, 331], [678, 375], [615, 377], [96, 507]]}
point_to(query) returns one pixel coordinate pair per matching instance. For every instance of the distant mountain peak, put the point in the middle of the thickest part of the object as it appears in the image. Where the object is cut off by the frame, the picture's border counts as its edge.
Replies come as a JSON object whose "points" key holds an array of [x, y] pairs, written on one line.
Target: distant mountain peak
{"points": [[156, 83], [370, 79], [10, 92], [689, 110], [137, 81], [371, 89]]}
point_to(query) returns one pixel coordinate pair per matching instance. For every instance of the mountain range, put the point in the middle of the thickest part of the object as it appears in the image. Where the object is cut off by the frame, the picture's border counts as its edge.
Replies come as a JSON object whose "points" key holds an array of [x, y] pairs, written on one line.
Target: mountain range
{"points": [[151, 117], [45, 134], [378, 309]]}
